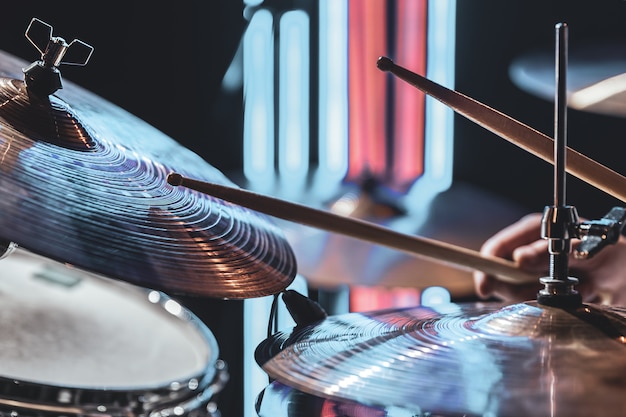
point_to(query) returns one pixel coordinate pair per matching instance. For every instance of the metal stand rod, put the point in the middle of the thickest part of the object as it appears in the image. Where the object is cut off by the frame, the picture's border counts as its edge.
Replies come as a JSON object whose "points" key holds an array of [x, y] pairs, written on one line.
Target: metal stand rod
{"points": [[560, 247], [559, 219], [560, 115]]}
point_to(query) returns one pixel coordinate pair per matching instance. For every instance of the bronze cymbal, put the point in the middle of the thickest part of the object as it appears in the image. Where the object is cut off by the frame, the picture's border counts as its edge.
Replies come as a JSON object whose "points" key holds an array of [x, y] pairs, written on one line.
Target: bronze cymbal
{"points": [[462, 215], [596, 77], [461, 359], [84, 182], [280, 400]]}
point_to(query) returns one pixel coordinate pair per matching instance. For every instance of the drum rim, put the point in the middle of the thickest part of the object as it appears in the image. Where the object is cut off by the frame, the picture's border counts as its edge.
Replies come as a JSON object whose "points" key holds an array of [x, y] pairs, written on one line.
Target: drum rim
{"points": [[126, 403], [32, 395]]}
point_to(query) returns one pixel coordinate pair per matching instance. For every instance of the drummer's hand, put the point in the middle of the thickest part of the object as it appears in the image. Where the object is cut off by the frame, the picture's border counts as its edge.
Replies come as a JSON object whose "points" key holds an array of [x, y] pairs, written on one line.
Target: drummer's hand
{"points": [[602, 278]]}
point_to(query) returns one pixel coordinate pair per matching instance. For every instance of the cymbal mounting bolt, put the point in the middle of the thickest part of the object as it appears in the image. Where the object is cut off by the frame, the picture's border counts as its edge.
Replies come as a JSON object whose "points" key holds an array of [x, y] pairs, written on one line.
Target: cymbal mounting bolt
{"points": [[43, 76]]}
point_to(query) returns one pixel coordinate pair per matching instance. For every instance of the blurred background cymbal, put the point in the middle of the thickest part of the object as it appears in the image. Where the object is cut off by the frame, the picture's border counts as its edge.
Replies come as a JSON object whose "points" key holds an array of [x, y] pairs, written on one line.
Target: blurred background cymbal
{"points": [[596, 76], [330, 260]]}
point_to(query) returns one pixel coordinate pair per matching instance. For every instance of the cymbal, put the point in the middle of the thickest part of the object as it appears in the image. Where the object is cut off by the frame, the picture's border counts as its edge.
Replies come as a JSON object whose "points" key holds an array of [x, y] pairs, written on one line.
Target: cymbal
{"points": [[84, 182], [463, 215], [461, 359], [280, 400], [596, 80]]}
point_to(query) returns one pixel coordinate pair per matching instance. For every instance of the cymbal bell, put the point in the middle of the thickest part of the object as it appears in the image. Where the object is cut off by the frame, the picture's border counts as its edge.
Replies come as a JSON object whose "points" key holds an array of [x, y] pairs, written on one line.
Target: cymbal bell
{"points": [[596, 77], [84, 182], [461, 359]]}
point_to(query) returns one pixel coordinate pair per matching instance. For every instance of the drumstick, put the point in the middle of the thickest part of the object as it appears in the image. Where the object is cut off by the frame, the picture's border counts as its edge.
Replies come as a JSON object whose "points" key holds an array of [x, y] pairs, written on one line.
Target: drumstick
{"points": [[514, 131], [459, 257]]}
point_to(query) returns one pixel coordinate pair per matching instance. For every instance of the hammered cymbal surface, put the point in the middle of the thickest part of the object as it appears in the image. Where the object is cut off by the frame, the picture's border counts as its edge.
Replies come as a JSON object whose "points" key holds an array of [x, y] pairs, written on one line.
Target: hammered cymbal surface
{"points": [[461, 359], [83, 181]]}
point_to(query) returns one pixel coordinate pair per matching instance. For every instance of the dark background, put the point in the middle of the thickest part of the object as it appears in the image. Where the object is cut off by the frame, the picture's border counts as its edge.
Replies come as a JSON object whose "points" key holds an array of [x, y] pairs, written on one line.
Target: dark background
{"points": [[164, 61]]}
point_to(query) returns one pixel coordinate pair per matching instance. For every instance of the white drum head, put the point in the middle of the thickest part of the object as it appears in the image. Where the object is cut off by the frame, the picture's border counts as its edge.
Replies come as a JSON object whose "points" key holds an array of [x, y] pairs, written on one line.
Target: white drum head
{"points": [[65, 327]]}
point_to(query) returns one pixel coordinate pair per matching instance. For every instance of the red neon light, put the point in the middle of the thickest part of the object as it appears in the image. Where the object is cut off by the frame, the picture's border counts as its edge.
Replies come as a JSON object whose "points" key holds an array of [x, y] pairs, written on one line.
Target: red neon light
{"points": [[367, 40], [370, 106], [408, 108]]}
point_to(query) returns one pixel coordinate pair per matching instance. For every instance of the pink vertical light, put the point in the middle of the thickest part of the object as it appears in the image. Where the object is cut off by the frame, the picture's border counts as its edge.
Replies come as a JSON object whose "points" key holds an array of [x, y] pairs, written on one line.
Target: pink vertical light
{"points": [[375, 298], [395, 154], [408, 106], [367, 40]]}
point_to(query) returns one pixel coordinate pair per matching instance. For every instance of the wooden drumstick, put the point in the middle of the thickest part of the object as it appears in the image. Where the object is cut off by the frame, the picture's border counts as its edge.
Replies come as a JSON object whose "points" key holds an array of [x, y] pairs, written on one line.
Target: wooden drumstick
{"points": [[514, 131], [459, 257]]}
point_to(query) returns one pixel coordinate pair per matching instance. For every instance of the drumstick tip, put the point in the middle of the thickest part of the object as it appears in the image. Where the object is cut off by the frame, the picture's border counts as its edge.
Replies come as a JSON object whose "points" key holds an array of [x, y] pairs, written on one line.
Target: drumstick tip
{"points": [[384, 63], [175, 179]]}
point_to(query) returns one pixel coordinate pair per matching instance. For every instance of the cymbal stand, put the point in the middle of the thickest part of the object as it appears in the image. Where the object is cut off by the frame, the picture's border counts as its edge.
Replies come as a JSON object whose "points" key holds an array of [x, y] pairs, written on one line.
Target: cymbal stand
{"points": [[559, 219], [560, 222]]}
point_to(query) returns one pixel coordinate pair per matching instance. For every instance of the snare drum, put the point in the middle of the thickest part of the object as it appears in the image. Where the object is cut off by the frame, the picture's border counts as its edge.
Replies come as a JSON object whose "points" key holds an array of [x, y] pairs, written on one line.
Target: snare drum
{"points": [[74, 343]]}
